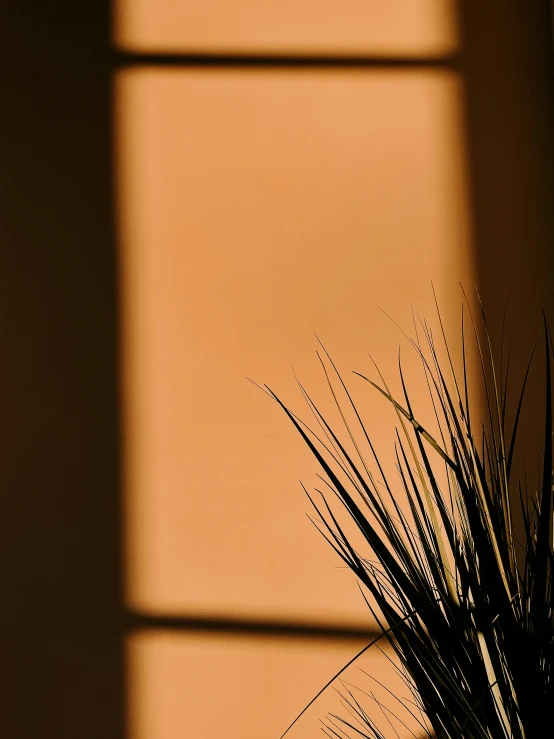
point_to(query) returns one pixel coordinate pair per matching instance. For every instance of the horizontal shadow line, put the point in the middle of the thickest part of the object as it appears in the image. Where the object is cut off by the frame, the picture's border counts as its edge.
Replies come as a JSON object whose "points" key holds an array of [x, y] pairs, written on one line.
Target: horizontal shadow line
{"points": [[204, 59], [254, 627]]}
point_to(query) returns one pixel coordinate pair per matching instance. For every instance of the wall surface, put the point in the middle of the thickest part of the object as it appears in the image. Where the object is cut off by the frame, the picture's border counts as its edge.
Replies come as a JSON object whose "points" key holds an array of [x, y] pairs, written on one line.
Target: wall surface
{"points": [[253, 203], [60, 625]]}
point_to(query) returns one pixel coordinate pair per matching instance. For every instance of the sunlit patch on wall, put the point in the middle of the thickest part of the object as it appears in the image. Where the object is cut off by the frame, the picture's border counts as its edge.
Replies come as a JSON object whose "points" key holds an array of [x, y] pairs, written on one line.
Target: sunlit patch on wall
{"points": [[221, 688], [254, 209], [372, 27]]}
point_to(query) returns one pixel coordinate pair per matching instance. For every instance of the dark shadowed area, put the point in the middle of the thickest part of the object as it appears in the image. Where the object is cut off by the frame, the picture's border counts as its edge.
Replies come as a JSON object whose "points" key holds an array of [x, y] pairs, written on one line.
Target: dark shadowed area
{"points": [[59, 512], [508, 67]]}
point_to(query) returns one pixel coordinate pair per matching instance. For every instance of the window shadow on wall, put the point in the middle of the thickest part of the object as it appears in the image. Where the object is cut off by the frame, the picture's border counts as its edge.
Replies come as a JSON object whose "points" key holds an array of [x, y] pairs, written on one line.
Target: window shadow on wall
{"points": [[61, 620], [59, 517], [508, 71]]}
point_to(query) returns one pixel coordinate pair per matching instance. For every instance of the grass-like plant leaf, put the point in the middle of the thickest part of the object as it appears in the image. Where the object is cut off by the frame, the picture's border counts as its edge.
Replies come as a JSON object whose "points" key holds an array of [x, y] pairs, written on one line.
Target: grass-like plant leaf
{"points": [[467, 609]]}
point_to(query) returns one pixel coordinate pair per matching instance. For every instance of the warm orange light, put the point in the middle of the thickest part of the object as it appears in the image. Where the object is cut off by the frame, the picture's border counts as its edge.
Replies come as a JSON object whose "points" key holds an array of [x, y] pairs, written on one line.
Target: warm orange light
{"points": [[374, 27], [219, 688], [256, 209]]}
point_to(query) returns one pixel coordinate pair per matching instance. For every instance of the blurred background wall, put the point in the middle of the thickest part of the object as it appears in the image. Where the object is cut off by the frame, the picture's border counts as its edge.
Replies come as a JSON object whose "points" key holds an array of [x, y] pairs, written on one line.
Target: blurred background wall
{"points": [[189, 191], [62, 669]]}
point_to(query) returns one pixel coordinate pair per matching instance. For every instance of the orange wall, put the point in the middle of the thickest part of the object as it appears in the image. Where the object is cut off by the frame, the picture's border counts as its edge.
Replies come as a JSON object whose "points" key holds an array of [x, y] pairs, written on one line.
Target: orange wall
{"points": [[476, 169], [405, 27], [257, 206]]}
